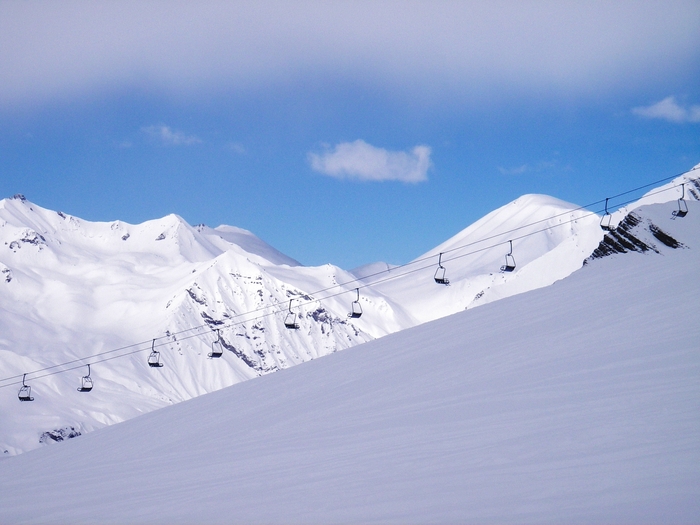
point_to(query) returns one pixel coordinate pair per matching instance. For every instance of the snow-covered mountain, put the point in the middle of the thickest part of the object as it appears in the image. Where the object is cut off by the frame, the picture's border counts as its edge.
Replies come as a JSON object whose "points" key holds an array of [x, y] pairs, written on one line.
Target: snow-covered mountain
{"points": [[75, 292], [576, 402], [551, 238]]}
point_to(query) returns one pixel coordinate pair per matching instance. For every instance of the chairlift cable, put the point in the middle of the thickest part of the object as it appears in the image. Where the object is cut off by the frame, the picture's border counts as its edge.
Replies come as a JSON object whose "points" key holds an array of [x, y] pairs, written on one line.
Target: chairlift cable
{"points": [[365, 284], [228, 325]]}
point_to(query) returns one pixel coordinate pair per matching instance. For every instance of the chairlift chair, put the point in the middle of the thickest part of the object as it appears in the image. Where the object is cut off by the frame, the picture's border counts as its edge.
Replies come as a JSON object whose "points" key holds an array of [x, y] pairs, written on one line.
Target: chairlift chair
{"points": [[682, 205], [86, 382], [217, 349], [290, 321], [605, 220], [25, 391], [509, 266], [154, 358], [355, 308], [440, 273]]}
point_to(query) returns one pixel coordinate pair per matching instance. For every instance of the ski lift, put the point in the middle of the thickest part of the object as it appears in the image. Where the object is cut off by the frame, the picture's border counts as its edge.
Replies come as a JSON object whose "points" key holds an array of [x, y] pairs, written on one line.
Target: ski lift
{"points": [[440, 273], [217, 349], [25, 391], [682, 205], [509, 266], [86, 382], [290, 321], [154, 358], [355, 308], [605, 219]]}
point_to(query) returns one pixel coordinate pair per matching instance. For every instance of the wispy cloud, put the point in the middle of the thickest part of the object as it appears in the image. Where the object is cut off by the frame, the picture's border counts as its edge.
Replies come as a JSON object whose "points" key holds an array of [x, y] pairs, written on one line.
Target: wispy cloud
{"points": [[528, 168], [668, 109], [236, 147], [519, 170], [169, 136], [359, 160]]}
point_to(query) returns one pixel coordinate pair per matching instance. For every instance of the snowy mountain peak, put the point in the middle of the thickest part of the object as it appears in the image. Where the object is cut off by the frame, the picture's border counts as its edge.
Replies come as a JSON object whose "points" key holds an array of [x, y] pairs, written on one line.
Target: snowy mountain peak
{"points": [[550, 240], [171, 236], [250, 243], [532, 211]]}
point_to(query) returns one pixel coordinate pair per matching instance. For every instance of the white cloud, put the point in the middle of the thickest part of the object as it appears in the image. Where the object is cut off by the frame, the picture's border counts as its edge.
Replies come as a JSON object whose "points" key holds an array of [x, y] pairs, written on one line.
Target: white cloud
{"points": [[668, 109], [363, 161], [72, 48], [527, 168], [514, 171], [167, 136], [236, 147]]}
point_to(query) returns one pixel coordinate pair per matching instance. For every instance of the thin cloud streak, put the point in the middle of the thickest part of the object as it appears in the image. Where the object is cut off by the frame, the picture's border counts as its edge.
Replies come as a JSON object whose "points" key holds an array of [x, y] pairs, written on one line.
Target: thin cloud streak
{"points": [[169, 137], [541, 166], [668, 109], [361, 161], [70, 48], [514, 171], [236, 147]]}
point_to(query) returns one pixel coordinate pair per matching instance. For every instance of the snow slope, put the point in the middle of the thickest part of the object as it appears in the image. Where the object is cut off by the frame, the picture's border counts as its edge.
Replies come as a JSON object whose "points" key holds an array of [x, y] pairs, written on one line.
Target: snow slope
{"points": [[574, 403]]}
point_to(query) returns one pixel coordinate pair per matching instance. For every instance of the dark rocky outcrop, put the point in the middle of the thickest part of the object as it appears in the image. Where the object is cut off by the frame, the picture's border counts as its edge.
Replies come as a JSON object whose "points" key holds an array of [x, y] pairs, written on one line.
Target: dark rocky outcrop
{"points": [[634, 234]]}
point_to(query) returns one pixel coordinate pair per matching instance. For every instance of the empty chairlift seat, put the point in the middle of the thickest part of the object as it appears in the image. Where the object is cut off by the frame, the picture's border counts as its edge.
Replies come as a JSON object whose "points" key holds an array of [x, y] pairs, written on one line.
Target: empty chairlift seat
{"points": [[290, 320], [25, 391], [682, 210], [355, 308], [217, 349], [154, 358], [86, 382], [440, 276], [509, 266], [605, 220]]}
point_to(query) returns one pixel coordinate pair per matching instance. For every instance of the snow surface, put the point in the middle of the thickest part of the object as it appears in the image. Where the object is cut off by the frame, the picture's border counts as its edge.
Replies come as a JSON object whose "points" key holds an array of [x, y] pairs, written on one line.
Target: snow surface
{"points": [[576, 403]]}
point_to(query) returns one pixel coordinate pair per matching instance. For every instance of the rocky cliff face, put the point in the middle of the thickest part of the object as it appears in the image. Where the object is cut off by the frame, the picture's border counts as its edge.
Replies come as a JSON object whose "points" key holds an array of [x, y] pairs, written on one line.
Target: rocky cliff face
{"points": [[634, 233]]}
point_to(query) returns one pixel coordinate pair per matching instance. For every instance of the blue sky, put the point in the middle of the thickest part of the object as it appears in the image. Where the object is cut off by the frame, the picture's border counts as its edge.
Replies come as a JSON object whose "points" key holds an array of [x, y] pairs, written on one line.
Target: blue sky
{"points": [[342, 132]]}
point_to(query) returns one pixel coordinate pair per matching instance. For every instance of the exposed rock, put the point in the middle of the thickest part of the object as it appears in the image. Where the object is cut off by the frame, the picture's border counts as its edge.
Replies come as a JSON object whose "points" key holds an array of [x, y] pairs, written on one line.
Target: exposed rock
{"points": [[59, 434], [633, 234]]}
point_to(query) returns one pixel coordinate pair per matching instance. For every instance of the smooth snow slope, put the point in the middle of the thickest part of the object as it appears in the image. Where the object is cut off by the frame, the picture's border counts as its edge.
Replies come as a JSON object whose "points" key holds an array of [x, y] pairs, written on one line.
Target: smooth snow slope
{"points": [[574, 403]]}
